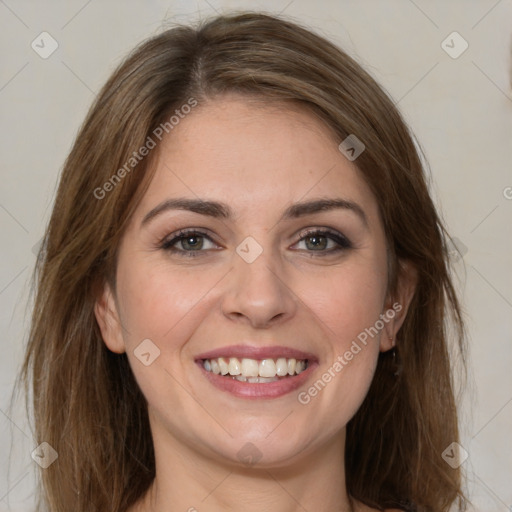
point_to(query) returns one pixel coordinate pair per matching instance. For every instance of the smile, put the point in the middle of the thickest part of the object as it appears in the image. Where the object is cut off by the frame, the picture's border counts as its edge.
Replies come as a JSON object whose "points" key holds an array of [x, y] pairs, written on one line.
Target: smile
{"points": [[254, 370], [257, 372]]}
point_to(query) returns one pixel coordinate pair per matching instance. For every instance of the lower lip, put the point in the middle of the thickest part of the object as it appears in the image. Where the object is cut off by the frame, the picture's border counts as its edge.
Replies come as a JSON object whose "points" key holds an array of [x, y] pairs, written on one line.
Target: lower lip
{"points": [[258, 390]]}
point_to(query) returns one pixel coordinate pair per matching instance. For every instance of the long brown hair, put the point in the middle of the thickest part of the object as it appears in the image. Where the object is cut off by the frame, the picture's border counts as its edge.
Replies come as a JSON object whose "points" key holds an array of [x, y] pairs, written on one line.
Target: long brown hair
{"points": [[86, 403]]}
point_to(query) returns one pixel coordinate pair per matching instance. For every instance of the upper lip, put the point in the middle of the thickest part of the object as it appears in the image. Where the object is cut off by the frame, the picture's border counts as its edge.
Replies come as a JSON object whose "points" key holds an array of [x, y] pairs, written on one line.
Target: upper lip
{"points": [[253, 352]]}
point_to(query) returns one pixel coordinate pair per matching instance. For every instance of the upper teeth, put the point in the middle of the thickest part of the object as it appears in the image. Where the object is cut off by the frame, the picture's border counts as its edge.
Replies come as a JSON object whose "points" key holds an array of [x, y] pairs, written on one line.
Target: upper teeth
{"points": [[255, 368]]}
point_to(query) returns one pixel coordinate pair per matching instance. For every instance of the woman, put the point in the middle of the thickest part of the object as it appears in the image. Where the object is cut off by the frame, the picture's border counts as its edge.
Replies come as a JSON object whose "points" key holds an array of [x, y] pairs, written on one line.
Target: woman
{"points": [[243, 294]]}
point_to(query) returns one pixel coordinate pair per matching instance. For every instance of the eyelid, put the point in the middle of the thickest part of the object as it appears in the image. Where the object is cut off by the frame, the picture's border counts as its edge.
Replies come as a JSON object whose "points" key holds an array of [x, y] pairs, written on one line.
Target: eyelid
{"points": [[342, 240], [182, 233], [321, 229]]}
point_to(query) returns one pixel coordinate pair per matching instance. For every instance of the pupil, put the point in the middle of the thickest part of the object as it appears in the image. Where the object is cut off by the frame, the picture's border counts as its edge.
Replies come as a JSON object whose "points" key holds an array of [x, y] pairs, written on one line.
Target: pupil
{"points": [[316, 241], [190, 241]]}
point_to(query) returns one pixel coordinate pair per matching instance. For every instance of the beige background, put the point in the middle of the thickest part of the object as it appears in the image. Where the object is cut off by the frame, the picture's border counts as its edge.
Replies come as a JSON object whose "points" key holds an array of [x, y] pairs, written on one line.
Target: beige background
{"points": [[460, 110]]}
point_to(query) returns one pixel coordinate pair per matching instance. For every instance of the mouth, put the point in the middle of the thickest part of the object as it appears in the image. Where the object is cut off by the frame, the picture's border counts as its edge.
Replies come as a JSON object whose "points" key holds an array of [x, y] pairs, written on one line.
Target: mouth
{"points": [[250, 372], [254, 370]]}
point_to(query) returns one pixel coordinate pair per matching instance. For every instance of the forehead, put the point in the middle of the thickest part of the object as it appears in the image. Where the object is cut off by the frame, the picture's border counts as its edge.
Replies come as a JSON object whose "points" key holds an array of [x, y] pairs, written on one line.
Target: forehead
{"points": [[255, 156]]}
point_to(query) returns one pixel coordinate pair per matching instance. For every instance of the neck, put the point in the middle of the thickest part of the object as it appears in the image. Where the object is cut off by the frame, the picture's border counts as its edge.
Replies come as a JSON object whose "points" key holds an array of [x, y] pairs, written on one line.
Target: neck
{"points": [[194, 482]]}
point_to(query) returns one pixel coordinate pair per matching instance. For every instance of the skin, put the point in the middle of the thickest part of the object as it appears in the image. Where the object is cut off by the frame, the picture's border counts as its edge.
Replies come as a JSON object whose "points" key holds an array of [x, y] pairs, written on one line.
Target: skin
{"points": [[259, 160]]}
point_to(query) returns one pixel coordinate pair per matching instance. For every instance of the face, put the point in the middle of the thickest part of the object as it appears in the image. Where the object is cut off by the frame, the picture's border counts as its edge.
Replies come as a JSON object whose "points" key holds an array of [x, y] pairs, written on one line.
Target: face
{"points": [[250, 267]]}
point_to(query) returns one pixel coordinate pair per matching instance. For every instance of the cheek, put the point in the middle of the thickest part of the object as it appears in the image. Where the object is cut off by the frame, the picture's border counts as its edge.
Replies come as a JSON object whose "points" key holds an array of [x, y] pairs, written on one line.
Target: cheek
{"points": [[163, 306], [159, 302], [347, 300], [347, 304]]}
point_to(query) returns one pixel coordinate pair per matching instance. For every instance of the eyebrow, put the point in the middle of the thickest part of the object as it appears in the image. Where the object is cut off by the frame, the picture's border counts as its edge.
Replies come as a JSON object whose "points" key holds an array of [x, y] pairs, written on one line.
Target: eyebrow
{"points": [[220, 210]]}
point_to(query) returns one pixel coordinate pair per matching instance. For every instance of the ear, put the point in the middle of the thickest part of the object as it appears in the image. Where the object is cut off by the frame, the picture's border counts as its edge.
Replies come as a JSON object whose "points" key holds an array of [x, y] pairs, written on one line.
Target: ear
{"points": [[396, 307], [107, 316]]}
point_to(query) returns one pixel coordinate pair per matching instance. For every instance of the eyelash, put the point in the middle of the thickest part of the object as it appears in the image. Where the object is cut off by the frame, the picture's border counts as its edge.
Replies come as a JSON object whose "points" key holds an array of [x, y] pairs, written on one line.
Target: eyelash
{"points": [[342, 241]]}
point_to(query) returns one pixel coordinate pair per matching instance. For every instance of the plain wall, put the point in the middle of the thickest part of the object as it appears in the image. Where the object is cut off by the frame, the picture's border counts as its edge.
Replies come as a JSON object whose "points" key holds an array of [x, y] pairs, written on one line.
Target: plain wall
{"points": [[459, 108]]}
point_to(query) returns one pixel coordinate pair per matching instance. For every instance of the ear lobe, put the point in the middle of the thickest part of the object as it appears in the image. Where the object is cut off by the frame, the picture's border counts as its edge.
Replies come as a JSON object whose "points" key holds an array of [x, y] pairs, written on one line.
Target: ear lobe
{"points": [[406, 286], [107, 316]]}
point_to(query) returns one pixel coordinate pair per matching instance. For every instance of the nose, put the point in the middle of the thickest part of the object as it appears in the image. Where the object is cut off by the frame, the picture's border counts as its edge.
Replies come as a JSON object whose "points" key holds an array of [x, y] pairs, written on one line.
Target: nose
{"points": [[257, 293]]}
